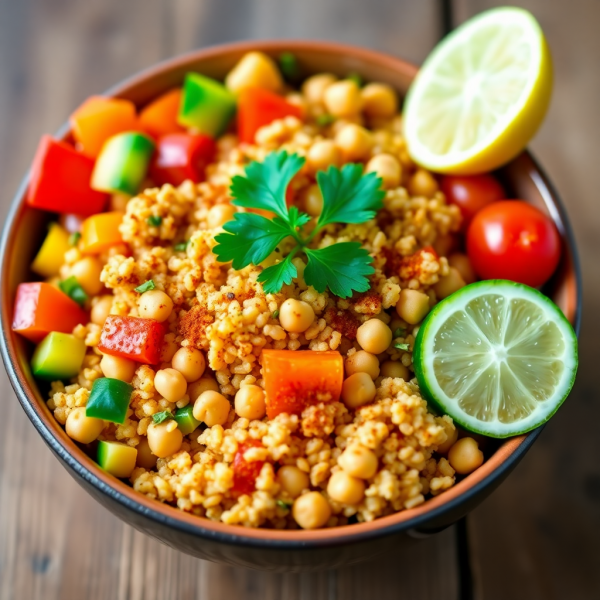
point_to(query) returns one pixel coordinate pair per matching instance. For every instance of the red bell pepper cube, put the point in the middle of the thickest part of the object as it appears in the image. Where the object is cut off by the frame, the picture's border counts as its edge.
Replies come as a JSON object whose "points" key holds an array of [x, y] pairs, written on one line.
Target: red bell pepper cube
{"points": [[181, 156], [41, 308], [245, 473], [60, 180], [133, 338], [257, 108]]}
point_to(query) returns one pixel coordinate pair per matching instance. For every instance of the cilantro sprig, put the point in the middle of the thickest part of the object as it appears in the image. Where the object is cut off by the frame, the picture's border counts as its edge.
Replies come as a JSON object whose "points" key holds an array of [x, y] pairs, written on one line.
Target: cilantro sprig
{"points": [[349, 196]]}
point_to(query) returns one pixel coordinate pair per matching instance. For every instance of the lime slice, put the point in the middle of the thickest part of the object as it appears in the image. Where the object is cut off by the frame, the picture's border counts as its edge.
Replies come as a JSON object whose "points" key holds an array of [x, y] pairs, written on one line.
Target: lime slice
{"points": [[497, 356], [481, 94]]}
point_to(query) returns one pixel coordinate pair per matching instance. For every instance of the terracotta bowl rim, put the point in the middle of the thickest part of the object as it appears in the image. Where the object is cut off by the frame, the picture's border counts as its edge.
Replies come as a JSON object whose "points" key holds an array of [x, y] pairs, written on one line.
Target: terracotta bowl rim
{"points": [[77, 461]]}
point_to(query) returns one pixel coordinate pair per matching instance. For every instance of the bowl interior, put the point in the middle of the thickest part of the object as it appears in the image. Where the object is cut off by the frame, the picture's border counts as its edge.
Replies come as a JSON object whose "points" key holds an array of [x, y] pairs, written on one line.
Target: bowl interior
{"points": [[25, 226]]}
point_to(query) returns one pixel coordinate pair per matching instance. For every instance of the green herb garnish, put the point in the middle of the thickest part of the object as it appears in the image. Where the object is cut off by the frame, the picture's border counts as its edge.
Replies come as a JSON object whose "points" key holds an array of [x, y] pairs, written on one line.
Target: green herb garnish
{"points": [[74, 238], [283, 504], [73, 289], [145, 287], [160, 417], [154, 220], [348, 197], [357, 78], [182, 246], [399, 332], [275, 314], [324, 120], [399, 346], [289, 67]]}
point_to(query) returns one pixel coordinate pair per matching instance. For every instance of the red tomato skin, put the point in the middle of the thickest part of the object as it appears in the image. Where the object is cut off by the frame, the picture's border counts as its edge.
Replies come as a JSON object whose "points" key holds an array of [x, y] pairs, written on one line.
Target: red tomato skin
{"points": [[181, 156], [471, 193], [245, 473], [513, 240]]}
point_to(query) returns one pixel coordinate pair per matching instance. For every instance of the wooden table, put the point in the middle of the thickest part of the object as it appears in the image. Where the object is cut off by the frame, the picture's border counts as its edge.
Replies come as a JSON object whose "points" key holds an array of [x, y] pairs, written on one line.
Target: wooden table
{"points": [[535, 538]]}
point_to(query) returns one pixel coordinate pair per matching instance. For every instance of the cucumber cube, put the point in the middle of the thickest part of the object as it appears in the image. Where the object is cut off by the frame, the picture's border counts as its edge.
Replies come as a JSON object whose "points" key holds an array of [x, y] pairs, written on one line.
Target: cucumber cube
{"points": [[58, 356], [116, 458]]}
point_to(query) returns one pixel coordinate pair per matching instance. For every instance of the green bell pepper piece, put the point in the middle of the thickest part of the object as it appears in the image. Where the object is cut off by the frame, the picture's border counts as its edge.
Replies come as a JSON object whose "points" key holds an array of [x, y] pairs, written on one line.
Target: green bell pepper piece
{"points": [[185, 419], [73, 289], [206, 105], [109, 400], [116, 458], [58, 356]]}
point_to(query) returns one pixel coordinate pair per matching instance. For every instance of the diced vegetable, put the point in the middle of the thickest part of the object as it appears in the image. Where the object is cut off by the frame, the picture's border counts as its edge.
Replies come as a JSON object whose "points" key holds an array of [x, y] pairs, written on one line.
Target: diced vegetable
{"points": [[160, 116], [109, 400], [254, 70], [257, 108], [131, 337], [100, 232], [50, 256], [145, 287], [244, 472], [295, 379], [123, 163], [72, 288], [116, 458], [181, 156], [98, 119], [185, 419], [207, 105], [41, 308], [289, 66], [58, 356], [60, 180]]}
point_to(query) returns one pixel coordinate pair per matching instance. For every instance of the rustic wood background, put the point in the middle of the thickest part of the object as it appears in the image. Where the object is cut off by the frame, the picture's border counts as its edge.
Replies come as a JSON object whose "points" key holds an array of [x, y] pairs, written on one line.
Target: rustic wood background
{"points": [[535, 538]]}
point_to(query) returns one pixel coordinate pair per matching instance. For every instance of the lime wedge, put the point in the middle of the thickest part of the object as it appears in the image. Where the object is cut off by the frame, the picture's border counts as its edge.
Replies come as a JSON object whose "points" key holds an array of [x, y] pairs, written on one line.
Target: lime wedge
{"points": [[481, 94], [497, 356]]}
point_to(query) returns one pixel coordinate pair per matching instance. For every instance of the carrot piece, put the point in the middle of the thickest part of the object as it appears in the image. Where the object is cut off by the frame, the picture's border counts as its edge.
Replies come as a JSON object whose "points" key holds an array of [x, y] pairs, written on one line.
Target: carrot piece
{"points": [[98, 119], [295, 379], [245, 473], [133, 338], [160, 116], [100, 232]]}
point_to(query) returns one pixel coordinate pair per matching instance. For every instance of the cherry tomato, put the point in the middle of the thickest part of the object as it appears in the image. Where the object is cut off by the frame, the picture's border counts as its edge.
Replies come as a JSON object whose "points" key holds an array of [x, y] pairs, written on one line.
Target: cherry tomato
{"points": [[513, 240], [471, 193]]}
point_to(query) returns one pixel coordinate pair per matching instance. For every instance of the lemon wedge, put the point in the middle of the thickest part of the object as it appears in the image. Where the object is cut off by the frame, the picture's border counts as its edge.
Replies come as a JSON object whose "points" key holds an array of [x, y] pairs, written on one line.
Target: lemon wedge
{"points": [[481, 94]]}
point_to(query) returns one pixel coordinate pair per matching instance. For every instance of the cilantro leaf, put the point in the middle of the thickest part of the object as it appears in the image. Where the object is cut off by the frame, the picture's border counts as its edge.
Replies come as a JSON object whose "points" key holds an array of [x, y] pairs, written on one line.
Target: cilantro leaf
{"points": [[273, 278], [160, 417], [342, 267], [265, 183], [296, 218], [348, 195], [72, 288], [145, 287], [284, 504], [249, 238], [400, 346]]}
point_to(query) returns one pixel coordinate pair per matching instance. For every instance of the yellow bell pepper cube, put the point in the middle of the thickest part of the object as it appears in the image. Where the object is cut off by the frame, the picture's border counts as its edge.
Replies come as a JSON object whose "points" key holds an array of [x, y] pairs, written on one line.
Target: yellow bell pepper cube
{"points": [[100, 232], [51, 255]]}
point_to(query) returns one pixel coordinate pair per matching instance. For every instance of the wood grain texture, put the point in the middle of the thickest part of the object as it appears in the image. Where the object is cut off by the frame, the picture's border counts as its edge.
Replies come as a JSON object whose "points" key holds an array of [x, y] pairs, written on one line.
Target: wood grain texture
{"points": [[55, 541]]}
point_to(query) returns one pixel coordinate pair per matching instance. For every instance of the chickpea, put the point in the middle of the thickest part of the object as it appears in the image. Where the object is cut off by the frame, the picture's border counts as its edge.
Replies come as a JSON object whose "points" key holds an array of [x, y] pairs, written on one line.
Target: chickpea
{"points": [[452, 436], [101, 309], [164, 439], [465, 456], [342, 98], [168, 349], [205, 383], [314, 87], [293, 480], [362, 362], [354, 141], [145, 458], [412, 306], [358, 390], [311, 510], [322, 154], [379, 100], [358, 461], [388, 168], [156, 305], [449, 284], [87, 272], [422, 183], [219, 214], [250, 402], [374, 336], [189, 362], [395, 369], [463, 265], [170, 384], [254, 70], [117, 367], [211, 408], [296, 316], [313, 200], [81, 428], [445, 244], [345, 489]]}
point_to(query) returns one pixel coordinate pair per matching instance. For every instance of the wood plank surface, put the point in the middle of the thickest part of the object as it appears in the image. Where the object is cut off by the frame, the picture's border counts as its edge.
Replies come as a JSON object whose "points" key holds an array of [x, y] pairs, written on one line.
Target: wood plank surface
{"points": [[55, 541]]}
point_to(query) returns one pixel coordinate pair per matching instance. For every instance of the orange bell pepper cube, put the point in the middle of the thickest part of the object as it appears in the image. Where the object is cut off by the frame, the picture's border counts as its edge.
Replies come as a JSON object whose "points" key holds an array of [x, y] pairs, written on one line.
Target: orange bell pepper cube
{"points": [[257, 108], [295, 379], [160, 116], [100, 232], [98, 119], [245, 473], [41, 308], [134, 338]]}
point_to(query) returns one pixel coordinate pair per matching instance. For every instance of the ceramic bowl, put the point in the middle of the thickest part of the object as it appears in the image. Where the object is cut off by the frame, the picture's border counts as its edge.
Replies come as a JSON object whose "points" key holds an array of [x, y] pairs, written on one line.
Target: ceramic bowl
{"points": [[263, 548]]}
